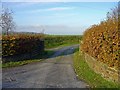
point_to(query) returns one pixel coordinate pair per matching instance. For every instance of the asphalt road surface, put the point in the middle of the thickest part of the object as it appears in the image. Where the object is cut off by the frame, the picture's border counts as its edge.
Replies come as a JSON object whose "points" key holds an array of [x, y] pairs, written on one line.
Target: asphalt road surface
{"points": [[54, 72]]}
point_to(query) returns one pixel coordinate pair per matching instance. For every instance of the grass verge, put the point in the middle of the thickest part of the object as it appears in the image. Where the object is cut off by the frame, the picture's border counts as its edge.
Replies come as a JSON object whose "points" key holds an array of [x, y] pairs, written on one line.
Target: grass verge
{"points": [[19, 63], [88, 75], [38, 58]]}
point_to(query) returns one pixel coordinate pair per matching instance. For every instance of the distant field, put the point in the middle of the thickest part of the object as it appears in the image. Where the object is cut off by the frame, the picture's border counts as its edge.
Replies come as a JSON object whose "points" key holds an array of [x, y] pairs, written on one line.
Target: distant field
{"points": [[52, 41]]}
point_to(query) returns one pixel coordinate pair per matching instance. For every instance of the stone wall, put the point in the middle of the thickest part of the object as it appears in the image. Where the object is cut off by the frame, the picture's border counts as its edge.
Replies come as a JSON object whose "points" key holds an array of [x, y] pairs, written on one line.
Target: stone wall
{"points": [[104, 70]]}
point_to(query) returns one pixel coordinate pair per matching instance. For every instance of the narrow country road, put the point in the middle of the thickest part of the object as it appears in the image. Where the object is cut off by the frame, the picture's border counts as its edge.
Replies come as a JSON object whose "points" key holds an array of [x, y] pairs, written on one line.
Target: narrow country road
{"points": [[54, 72]]}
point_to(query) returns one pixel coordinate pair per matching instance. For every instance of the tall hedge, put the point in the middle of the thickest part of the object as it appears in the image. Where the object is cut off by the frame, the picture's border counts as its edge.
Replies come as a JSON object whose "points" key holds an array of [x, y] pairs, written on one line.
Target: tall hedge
{"points": [[102, 41], [20, 44]]}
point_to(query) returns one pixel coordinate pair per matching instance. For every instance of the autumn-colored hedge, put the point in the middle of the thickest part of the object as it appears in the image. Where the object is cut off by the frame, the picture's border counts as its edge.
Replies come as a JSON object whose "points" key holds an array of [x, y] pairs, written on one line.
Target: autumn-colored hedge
{"points": [[20, 43], [102, 41]]}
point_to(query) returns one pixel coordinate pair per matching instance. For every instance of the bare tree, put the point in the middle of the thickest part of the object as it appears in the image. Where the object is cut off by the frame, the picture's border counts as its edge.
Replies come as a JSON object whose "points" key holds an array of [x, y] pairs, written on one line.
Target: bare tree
{"points": [[6, 21], [113, 15]]}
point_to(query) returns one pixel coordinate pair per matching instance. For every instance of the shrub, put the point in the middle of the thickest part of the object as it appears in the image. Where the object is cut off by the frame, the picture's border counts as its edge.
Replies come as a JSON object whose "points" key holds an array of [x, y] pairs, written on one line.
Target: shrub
{"points": [[20, 43], [102, 41]]}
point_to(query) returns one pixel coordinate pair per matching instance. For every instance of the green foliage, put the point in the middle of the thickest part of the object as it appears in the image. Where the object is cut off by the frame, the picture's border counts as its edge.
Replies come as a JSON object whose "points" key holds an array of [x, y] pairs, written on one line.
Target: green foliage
{"points": [[59, 40], [85, 73], [101, 41], [20, 43]]}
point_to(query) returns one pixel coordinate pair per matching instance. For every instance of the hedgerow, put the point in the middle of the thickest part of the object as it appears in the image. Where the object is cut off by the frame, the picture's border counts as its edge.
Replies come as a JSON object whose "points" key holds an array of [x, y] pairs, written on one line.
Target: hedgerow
{"points": [[102, 40], [20, 44]]}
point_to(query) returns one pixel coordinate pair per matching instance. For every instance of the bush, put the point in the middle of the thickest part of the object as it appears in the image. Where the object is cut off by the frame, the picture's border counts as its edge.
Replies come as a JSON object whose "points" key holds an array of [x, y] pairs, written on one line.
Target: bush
{"points": [[20, 43], [102, 42]]}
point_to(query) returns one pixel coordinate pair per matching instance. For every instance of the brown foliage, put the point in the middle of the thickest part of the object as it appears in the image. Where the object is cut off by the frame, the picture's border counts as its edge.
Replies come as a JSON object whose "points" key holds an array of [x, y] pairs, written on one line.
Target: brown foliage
{"points": [[20, 43], [102, 42]]}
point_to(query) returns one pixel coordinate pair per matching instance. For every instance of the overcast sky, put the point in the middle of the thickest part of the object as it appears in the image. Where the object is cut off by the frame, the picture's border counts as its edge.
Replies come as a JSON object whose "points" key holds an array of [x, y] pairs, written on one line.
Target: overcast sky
{"points": [[58, 17]]}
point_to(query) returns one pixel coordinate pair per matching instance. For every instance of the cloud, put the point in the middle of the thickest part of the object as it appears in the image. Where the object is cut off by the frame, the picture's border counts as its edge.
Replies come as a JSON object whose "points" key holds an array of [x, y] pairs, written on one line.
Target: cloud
{"points": [[53, 29], [60, 0], [49, 9], [30, 0], [59, 8]]}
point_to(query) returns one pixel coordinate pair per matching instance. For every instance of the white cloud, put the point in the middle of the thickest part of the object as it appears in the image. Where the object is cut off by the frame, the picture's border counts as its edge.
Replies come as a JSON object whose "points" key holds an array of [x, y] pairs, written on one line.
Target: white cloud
{"points": [[30, 0], [60, 0], [53, 29], [60, 8], [49, 9]]}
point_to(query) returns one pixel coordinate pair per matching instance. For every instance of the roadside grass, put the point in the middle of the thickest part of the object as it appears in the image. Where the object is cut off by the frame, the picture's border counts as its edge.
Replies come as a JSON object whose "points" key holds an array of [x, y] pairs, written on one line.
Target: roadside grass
{"points": [[85, 73], [0, 65], [76, 50], [18, 63], [38, 58]]}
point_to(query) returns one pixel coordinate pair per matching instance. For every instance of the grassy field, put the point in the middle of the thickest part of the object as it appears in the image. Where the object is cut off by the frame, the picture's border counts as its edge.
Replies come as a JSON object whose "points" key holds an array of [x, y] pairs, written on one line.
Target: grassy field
{"points": [[38, 58], [89, 76], [53, 41]]}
